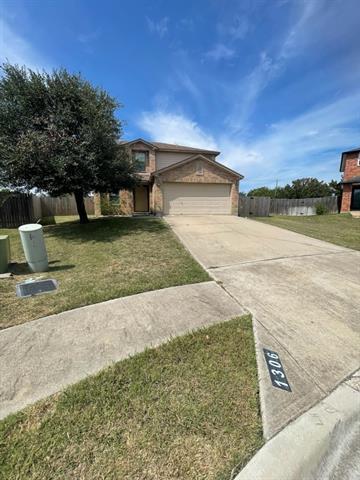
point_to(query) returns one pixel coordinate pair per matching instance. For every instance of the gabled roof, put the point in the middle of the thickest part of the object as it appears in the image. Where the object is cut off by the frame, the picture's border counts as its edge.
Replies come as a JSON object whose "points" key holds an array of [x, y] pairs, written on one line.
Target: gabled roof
{"points": [[170, 147], [138, 140], [194, 157], [342, 165]]}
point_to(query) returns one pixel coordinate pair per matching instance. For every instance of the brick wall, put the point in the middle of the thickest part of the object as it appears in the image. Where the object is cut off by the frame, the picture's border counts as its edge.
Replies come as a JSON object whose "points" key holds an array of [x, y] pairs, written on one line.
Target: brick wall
{"points": [[346, 198], [150, 167], [352, 169], [351, 166]]}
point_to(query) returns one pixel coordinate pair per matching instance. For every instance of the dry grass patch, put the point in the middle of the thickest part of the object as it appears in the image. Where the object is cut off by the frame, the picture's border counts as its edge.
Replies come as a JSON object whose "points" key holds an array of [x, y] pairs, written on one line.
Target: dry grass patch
{"points": [[105, 259], [188, 409]]}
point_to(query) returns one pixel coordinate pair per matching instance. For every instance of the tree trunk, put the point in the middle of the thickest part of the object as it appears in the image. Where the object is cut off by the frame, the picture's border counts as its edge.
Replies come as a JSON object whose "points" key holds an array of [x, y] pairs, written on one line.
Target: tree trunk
{"points": [[80, 205]]}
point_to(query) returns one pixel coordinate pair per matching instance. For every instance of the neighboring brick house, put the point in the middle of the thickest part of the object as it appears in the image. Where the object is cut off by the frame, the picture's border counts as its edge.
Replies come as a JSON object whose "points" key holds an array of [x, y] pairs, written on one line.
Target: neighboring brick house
{"points": [[350, 166], [177, 180]]}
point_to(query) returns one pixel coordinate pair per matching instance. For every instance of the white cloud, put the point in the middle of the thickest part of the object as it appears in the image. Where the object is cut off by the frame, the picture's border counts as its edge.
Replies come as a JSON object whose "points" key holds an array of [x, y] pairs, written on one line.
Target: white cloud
{"points": [[237, 29], [248, 91], [88, 37], [188, 84], [270, 67], [307, 145], [175, 128], [18, 50], [159, 27], [220, 52]]}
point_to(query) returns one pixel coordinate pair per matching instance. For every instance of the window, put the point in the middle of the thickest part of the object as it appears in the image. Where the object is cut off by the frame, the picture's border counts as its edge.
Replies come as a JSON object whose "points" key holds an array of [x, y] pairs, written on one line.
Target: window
{"points": [[140, 160], [358, 164], [199, 168], [114, 198]]}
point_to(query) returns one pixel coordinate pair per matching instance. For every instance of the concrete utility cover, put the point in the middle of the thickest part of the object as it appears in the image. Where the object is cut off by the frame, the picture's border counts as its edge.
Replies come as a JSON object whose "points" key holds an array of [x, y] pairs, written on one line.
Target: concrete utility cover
{"points": [[305, 297]]}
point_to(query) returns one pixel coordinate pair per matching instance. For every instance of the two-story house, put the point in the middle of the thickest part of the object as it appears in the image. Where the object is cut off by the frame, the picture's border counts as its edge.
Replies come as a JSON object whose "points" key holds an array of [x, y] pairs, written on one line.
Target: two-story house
{"points": [[177, 180], [350, 166]]}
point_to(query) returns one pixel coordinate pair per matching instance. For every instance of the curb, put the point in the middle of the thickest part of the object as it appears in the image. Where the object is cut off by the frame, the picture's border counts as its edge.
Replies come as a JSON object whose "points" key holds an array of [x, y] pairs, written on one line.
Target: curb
{"points": [[297, 452]]}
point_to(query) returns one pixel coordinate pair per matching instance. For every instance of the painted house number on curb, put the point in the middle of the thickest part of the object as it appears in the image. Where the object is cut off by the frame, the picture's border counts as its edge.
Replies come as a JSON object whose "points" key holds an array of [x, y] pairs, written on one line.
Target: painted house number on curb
{"points": [[276, 371]]}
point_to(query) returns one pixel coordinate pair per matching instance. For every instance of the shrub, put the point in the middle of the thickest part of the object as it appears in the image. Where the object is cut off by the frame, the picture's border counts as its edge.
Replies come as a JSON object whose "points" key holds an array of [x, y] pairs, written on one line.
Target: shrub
{"points": [[110, 206], [50, 220], [321, 209]]}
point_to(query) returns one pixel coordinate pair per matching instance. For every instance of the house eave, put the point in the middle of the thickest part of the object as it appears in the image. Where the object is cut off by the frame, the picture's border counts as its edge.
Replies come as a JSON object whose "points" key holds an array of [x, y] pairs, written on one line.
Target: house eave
{"points": [[192, 158]]}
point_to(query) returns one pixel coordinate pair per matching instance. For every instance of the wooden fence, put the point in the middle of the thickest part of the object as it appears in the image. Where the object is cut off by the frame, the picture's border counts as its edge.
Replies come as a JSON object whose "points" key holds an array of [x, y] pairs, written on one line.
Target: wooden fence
{"points": [[254, 206], [51, 206], [265, 206], [16, 210]]}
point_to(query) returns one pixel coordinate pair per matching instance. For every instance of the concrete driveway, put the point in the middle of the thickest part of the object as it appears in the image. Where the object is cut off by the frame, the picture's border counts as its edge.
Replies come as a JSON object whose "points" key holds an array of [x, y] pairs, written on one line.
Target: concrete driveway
{"points": [[304, 295]]}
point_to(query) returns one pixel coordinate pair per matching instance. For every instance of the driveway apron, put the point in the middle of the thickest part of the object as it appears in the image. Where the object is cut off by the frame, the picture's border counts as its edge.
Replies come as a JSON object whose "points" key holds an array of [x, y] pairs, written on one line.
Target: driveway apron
{"points": [[304, 295]]}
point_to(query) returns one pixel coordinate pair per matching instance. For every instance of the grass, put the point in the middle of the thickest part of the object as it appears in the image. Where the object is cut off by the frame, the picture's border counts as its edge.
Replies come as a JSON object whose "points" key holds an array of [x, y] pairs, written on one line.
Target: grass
{"points": [[188, 409], [343, 229], [105, 259]]}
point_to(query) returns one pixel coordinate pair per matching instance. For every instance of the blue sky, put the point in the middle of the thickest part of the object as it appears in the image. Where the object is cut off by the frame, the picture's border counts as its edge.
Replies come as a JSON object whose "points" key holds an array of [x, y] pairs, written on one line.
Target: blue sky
{"points": [[273, 84]]}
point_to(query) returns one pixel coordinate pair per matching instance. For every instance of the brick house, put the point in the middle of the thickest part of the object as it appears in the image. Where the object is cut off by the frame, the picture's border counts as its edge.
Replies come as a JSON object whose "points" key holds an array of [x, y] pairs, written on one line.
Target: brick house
{"points": [[177, 180], [350, 166]]}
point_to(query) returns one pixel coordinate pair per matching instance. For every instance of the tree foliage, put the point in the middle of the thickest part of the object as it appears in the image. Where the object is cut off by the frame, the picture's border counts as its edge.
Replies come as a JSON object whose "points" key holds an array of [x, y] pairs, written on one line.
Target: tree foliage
{"points": [[300, 188], [59, 134], [261, 192]]}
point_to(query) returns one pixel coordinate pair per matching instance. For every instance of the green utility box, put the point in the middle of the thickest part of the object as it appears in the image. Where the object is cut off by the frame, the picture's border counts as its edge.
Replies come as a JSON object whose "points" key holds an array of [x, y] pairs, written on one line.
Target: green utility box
{"points": [[4, 253]]}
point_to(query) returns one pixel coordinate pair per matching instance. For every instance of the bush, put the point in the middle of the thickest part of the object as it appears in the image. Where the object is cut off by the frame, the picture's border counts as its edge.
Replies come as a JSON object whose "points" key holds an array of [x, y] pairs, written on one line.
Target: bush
{"points": [[109, 206], [321, 209], [50, 220]]}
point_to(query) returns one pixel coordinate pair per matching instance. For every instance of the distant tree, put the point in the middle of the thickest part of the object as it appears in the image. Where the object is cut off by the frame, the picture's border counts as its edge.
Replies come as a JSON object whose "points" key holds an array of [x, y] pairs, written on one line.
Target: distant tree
{"points": [[305, 188], [335, 188], [300, 188], [261, 192], [59, 134]]}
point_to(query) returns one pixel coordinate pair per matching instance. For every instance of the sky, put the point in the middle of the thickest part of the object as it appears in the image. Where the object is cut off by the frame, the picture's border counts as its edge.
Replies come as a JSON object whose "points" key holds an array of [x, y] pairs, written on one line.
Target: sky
{"points": [[272, 84]]}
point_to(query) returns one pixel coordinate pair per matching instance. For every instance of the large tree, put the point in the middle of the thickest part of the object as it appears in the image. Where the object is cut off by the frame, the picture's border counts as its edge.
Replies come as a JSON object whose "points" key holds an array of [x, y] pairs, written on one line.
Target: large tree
{"points": [[306, 188], [59, 134]]}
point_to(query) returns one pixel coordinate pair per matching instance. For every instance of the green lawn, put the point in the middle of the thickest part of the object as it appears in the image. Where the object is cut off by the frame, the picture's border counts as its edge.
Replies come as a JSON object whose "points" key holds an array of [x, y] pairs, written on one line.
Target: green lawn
{"points": [[105, 259], [343, 229], [188, 409]]}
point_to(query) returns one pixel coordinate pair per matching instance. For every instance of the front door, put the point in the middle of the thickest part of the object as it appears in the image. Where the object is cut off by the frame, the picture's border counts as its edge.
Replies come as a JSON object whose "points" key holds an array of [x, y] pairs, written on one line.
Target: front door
{"points": [[355, 198], [141, 198]]}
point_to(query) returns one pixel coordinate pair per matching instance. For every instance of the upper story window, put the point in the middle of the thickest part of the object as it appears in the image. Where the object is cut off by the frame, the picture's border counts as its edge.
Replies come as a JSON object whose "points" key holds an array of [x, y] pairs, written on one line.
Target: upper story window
{"points": [[140, 160], [358, 162]]}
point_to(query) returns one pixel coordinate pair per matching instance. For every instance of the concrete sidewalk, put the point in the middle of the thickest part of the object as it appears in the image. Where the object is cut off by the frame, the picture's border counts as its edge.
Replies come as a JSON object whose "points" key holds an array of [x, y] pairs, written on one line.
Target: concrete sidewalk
{"points": [[304, 295], [41, 357]]}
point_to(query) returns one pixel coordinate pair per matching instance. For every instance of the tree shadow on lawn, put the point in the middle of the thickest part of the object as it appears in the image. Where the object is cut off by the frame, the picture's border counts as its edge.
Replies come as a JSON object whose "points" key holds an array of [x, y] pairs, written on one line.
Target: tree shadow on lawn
{"points": [[104, 229]]}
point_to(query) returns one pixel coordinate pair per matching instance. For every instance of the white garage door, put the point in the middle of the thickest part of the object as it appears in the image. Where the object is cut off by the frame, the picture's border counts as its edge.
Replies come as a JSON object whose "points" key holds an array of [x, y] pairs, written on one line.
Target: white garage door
{"points": [[196, 199]]}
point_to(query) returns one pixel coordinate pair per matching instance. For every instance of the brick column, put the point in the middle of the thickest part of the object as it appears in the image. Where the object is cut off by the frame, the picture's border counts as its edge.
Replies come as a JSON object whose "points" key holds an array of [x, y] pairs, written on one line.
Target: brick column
{"points": [[234, 194], [152, 162], [346, 198], [97, 204], [126, 202], [157, 198]]}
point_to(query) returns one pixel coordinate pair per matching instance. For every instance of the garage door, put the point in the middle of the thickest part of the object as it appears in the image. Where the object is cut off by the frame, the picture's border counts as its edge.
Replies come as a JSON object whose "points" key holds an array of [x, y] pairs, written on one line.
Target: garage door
{"points": [[196, 199]]}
